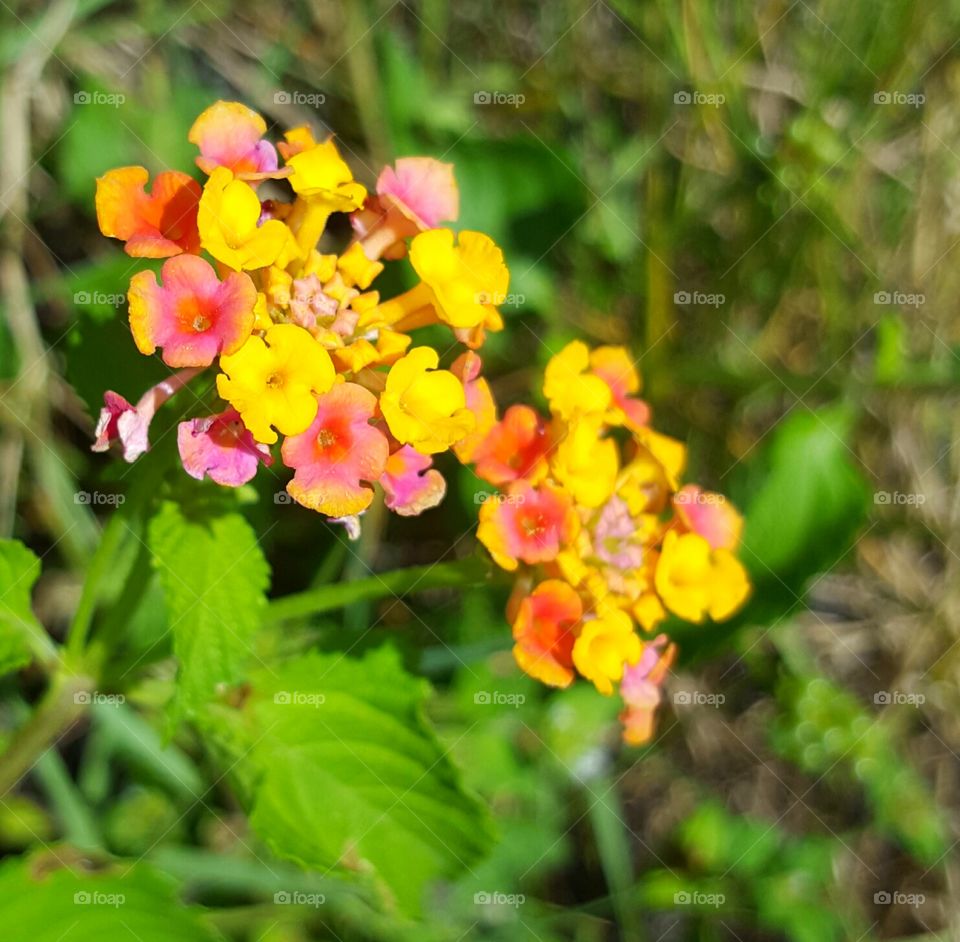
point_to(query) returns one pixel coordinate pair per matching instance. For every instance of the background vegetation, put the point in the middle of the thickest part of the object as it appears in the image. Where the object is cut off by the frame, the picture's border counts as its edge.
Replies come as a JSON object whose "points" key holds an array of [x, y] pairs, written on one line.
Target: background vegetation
{"points": [[760, 199]]}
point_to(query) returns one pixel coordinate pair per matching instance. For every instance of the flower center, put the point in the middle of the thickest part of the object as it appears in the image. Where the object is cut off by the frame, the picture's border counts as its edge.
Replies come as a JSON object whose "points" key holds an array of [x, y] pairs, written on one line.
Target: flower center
{"points": [[201, 323], [326, 438], [274, 380], [532, 525]]}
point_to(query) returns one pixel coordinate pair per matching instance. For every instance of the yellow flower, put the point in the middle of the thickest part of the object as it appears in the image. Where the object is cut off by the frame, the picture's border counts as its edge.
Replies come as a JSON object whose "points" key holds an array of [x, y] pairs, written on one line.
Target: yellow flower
{"points": [[695, 581], [465, 279], [586, 464], [570, 389], [319, 172], [606, 643], [271, 382], [227, 219], [425, 407]]}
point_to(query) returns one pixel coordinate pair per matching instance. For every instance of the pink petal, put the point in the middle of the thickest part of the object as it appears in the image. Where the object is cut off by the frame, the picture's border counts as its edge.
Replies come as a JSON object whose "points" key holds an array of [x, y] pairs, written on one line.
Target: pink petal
{"points": [[221, 448], [410, 484]]}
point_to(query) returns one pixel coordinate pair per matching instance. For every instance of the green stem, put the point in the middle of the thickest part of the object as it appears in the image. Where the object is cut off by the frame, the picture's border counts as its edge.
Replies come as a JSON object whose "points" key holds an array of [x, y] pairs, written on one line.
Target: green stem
{"points": [[63, 703], [76, 819], [463, 573]]}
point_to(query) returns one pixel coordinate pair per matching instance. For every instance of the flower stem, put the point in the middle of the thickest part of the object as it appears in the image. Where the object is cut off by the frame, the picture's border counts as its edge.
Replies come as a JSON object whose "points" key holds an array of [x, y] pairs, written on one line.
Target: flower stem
{"points": [[63, 703], [460, 574]]}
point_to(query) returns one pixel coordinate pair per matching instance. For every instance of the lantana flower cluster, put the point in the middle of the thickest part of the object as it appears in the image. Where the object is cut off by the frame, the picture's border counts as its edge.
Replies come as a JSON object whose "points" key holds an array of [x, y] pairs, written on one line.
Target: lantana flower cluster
{"points": [[304, 348], [605, 541]]}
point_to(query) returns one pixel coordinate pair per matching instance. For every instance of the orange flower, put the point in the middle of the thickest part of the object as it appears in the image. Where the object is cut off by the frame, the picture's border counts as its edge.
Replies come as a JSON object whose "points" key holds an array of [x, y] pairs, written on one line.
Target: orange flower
{"points": [[157, 225], [516, 447], [545, 631]]}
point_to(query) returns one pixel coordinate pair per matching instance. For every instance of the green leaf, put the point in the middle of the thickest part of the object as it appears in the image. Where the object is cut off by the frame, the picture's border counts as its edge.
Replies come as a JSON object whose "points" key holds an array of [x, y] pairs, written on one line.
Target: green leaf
{"points": [[214, 578], [46, 899], [19, 570], [340, 769], [811, 503]]}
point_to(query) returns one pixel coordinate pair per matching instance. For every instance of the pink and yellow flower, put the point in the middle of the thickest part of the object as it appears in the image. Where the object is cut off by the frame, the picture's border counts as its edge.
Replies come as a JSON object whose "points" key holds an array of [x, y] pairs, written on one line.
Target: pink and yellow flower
{"points": [[337, 453], [220, 447], [229, 134], [641, 689], [479, 401], [273, 381], [425, 407], [711, 515], [696, 581], [614, 366], [158, 225], [570, 388], [545, 629], [607, 644], [410, 484], [416, 194], [231, 229], [527, 523], [193, 317], [517, 447]]}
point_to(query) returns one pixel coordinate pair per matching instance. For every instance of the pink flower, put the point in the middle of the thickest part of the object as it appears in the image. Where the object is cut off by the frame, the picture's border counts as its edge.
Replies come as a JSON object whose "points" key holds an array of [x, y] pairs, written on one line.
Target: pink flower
{"points": [[129, 424], [480, 402], [410, 484], [193, 316], [641, 689], [710, 515], [416, 194], [336, 453], [221, 448], [230, 135], [422, 189]]}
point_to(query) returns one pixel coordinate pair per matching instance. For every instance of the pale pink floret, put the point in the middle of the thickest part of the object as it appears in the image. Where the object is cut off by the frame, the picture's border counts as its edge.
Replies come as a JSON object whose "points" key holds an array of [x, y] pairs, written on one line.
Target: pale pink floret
{"points": [[410, 484], [220, 447], [422, 188], [193, 316], [128, 424], [641, 689], [710, 515], [230, 135]]}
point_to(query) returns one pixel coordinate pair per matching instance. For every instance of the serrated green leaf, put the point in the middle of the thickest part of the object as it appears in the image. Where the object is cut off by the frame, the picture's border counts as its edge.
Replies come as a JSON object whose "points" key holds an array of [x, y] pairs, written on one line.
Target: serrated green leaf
{"points": [[19, 570], [214, 578], [44, 900], [340, 768]]}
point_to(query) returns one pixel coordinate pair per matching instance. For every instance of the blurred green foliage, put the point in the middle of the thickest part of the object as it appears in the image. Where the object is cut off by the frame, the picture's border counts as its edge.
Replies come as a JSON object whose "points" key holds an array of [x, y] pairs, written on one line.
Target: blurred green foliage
{"points": [[794, 203]]}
